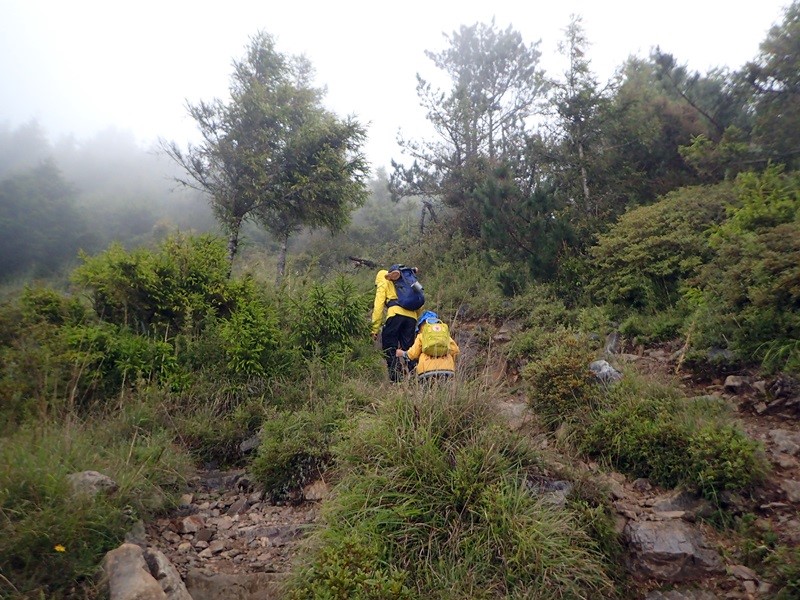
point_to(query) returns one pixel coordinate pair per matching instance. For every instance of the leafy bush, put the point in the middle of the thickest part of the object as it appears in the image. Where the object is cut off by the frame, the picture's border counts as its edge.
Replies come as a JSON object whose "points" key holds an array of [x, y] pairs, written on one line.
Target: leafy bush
{"points": [[662, 326], [351, 567], [295, 448], [437, 489], [722, 459], [561, 386], [44, 305], [644, 258], [251, 338], [653, 432], [328, 319], [748, 296], [213, 419], [162, 291]]}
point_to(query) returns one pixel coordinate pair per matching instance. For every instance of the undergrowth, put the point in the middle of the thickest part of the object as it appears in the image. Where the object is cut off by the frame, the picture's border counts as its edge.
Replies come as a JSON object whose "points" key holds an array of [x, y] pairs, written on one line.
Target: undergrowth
{"points": [[435, 493]]}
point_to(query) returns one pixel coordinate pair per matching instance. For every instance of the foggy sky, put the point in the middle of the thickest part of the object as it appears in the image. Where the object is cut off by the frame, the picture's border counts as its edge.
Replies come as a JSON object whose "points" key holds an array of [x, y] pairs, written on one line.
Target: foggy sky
{"points": [[85, 65]]}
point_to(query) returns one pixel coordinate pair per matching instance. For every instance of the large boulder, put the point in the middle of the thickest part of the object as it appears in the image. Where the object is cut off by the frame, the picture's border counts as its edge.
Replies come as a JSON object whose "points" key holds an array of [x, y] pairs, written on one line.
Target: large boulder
{"points": [[670, 551], [128, 576]]}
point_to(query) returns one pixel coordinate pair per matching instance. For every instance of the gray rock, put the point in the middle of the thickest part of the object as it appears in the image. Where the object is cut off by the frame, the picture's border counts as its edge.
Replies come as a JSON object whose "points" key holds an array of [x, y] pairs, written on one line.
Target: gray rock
{"points": [[604, 371], [250, 444], [166, 575], [720, 356], [137, 535], [191, 524], [792, 489], [238, 507], [91, 483], [683, 500], [128, 577], [785, 441], [669, 551], [219, 586], [742, 572], [612, 343], [318, 490], [736, 384]]}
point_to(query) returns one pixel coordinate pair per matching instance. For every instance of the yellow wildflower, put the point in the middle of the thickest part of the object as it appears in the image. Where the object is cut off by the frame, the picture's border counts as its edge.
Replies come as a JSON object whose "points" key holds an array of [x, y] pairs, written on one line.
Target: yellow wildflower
{"points": [[59, 548]]}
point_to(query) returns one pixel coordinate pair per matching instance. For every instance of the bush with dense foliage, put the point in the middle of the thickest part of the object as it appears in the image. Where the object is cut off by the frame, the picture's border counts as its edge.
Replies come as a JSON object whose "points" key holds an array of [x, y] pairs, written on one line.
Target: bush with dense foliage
{"points": [[560, 385], [652, 431], [645, 257], [749, 293]]}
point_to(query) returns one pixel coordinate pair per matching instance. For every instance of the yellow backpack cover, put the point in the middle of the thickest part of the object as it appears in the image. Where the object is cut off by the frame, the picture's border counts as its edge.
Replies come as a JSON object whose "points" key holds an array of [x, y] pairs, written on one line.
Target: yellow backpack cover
{"points": [[435, 338]]}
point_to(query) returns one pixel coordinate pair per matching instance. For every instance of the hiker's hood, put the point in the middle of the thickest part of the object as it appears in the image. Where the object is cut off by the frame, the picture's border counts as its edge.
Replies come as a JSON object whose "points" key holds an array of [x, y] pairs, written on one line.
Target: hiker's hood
{"points": [[424, 317], [381, 276]]}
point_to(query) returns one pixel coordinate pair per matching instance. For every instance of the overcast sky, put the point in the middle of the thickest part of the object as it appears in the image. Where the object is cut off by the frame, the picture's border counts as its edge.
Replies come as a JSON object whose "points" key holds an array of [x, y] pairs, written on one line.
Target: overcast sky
{"points": [[81, 66]]}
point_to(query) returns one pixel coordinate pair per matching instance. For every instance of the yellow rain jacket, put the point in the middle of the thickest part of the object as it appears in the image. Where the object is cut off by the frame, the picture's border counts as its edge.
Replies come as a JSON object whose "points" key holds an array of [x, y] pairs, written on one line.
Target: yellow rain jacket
{"points": [[383, 293], [428, 364]]}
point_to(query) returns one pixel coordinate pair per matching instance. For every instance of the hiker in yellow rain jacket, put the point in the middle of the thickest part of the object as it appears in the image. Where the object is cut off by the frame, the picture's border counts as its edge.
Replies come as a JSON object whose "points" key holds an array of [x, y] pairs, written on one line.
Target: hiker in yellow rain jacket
{"points": [[398, 330], [431, 368]]}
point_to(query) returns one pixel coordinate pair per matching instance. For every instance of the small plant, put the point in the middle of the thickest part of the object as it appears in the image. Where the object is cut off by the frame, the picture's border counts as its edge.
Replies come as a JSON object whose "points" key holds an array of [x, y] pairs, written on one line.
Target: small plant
{"points": [[351, 567], [722, 459], [295, 449], [561, 386]]}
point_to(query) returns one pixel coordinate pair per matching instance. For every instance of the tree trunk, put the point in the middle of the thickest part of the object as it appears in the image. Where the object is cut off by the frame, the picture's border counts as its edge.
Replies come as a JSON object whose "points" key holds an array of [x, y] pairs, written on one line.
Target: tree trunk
{"points": [[584, 177], [233, 246], [427, 206], [282, 260]]}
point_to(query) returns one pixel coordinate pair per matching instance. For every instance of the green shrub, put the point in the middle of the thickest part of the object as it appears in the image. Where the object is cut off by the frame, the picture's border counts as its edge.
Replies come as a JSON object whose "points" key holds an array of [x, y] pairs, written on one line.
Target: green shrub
{"points": [[440, 492], [647, 255], [295, 448], [41, 304], [654, 433], [662, 326], [163, 291], [350, 567], [561, 386], [213, 423], [328, 319], [747, 295], [251, 338], [723, 458]]}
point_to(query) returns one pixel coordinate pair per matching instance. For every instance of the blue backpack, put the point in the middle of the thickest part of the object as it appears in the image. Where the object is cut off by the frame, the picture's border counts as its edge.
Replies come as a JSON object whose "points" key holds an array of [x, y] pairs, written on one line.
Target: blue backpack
{"points": [[409, 291]]}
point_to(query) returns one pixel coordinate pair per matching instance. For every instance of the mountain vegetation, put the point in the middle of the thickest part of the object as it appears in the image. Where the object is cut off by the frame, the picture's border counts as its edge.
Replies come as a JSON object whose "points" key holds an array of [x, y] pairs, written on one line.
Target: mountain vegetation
{"points": [[142, 333]]}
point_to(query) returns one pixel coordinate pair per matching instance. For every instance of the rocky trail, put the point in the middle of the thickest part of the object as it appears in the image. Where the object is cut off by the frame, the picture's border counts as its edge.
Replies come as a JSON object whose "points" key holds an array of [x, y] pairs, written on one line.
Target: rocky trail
{"points": [[227, 541]]}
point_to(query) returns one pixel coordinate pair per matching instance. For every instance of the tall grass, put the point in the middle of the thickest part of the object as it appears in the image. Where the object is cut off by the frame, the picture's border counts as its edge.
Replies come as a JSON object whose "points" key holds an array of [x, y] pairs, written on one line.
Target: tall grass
{"points": [[435, 490], [648, 429], [51, 540]]}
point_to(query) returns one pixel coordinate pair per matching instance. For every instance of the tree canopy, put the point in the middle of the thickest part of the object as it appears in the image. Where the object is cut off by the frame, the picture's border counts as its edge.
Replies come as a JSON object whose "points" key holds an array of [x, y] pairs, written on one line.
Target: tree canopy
{"points": [[272, 153]]}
